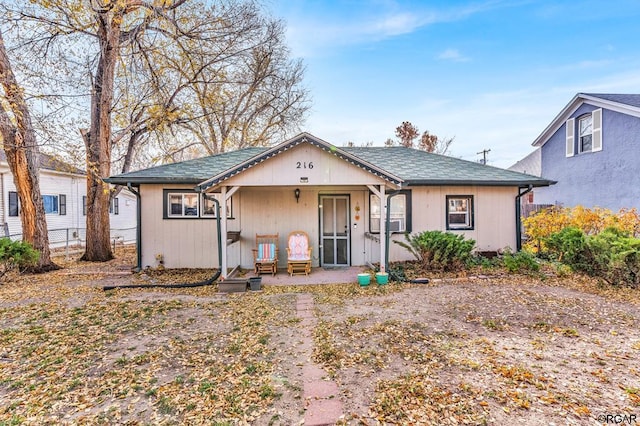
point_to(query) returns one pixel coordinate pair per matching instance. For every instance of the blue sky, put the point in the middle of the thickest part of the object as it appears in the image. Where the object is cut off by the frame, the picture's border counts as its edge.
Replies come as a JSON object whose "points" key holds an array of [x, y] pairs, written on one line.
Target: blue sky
{"points": [[492, 74]]}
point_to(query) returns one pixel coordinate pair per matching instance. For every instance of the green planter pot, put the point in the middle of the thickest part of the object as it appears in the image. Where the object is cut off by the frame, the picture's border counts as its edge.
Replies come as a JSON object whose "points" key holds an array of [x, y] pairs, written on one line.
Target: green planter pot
{"points": [[382, 278], [364, 279]]}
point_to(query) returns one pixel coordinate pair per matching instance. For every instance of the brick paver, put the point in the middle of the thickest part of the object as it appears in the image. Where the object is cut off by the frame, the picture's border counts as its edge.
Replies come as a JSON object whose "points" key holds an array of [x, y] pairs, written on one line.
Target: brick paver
{"points": [[321, 394]]}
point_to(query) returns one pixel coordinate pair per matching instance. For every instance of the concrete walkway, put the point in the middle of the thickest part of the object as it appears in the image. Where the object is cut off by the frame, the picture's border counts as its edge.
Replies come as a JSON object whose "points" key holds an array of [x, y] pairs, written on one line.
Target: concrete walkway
{"points": [[321, 395]]}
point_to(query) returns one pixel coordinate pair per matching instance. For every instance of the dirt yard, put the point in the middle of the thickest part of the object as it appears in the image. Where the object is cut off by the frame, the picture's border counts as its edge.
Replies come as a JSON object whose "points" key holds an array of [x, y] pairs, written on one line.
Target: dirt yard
{"points": [[509, 350]]}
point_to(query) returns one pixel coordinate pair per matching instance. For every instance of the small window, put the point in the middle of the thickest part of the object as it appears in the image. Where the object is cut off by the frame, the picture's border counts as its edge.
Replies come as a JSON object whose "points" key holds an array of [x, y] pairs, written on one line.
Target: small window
{"points": [[63, 204], [84, 205], [399, 216], [585, 133], [114, 206], [209, 206], [13, 204], [50, 204], [459, 212], [182, 205]]}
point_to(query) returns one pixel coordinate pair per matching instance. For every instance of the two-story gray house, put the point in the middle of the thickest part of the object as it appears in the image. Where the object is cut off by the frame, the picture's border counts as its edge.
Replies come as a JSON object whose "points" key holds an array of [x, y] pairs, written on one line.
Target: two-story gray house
{"points": [[592, 149]]}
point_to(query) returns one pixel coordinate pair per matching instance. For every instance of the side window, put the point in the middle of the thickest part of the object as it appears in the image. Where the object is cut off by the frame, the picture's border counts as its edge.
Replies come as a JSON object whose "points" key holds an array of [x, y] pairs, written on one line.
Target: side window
{"points": [[209, 206], [63, 204], [399, 216], [183, 205], [459, 212], [14, 210], [114, 206], [84, 205], [50, 204]]}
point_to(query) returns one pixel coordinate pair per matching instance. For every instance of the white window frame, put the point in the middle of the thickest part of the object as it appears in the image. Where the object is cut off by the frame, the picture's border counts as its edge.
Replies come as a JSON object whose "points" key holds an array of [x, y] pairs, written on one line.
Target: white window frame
{"points": [[217, 196], [396, 216], [56, 197], [451, 201], [581, 135], [182, 196]]}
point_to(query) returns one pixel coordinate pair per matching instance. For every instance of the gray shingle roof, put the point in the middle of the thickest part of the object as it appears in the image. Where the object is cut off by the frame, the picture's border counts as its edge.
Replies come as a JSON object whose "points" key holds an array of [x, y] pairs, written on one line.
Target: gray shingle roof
{"points": [[191, 171], [627, 99], [50, 162], [424, 168], [412, 166]]}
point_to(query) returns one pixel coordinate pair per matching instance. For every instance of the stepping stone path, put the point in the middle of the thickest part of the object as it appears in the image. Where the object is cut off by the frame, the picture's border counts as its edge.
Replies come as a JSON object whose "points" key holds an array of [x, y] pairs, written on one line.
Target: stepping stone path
{"points": [[322, 395]]}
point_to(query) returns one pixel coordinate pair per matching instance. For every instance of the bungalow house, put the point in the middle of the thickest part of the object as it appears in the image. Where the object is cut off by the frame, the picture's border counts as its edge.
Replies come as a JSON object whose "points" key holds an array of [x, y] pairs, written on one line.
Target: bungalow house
{"points": [[63, 188], [592, 149], [338, 196]]}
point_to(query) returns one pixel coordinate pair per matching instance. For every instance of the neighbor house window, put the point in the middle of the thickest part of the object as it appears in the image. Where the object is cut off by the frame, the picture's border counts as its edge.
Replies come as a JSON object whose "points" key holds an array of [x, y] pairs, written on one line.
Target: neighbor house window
{"points": [[84, 205], [13, 203], [50, 204], [400, 213], [209, 206], [585, 133], [459, 212], [114, 206], [63, 204]]}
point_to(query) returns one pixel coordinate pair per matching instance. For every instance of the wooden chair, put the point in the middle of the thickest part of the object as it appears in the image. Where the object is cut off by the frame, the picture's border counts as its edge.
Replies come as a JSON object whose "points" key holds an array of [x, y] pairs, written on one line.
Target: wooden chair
{"points": [[298, 253], [265, 255]]}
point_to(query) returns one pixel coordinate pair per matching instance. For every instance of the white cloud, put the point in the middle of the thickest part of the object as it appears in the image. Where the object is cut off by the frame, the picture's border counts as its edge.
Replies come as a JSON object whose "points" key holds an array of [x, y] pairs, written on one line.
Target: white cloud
{"points": [[312, 33], [453, 55]]}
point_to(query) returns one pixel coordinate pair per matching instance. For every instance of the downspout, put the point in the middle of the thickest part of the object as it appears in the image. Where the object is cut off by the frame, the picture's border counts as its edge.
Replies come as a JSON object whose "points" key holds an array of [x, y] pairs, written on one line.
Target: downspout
{"points": [[138, 267], [518, 218], [185, 285], [387, 236]]}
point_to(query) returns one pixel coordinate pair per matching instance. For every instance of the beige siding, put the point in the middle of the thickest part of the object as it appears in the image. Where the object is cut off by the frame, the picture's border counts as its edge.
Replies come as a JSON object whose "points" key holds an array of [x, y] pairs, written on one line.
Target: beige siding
{"points": [[289, 167], [262, 210], [182, 243]]}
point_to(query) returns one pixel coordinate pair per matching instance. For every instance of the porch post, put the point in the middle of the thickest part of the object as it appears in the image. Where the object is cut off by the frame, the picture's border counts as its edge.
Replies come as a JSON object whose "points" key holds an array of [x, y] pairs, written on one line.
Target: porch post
{"points": [[223, 230], [383, 227]]}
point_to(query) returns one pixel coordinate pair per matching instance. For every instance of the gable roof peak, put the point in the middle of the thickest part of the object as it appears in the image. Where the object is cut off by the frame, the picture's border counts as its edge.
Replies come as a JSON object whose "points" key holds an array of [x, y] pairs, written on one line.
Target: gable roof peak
{"points": [[623, 103]]}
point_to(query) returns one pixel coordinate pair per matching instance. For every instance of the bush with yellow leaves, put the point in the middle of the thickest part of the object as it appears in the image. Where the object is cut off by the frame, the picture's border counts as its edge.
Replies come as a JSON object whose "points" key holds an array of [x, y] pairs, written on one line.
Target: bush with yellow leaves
{"points": [[544, 223]]}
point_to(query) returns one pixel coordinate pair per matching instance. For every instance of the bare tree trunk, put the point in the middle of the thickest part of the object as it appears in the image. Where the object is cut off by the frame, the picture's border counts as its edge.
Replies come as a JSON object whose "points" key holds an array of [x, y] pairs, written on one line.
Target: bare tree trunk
{"points": [[98, 140], [22, 152]]}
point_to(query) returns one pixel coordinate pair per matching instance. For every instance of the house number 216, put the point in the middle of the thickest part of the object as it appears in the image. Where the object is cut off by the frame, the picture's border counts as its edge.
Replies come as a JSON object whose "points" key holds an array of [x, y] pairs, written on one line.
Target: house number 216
{"points": [[304, 165]]}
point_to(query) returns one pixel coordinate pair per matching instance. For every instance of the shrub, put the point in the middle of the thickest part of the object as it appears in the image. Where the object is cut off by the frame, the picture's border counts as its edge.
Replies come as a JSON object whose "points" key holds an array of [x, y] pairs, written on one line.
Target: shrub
{"points": [[547, 222], [520, 262], [16, 255], [436, 250], [611, 255]]}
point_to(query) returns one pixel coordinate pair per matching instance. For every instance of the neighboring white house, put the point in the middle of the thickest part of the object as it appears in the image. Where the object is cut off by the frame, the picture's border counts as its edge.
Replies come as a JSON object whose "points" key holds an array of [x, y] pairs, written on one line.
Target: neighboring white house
{"points": [[336, 195], [63, 188]]}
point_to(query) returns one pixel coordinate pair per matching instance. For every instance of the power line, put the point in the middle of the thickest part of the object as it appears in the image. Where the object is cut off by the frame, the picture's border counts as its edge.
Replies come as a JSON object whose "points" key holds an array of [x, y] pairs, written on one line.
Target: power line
{"points": [[484, 153]]}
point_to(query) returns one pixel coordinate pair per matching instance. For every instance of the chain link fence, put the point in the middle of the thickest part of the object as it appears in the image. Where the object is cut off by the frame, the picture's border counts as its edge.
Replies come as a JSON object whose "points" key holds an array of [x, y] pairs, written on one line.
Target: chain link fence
{"points": [[75, 238]]}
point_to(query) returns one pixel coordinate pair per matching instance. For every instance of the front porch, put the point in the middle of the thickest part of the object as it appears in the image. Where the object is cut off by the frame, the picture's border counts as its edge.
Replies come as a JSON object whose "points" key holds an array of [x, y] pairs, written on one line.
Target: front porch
{"points": [[317, 276]]}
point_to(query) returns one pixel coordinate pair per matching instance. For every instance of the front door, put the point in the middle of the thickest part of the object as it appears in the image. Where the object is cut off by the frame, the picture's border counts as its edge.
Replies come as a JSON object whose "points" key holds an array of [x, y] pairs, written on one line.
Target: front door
{"points": [[335, 247]]}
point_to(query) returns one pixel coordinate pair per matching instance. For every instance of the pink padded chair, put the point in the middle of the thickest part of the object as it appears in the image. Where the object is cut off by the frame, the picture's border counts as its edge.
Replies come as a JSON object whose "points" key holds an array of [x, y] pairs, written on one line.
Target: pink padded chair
{"points": [[298, 253]]}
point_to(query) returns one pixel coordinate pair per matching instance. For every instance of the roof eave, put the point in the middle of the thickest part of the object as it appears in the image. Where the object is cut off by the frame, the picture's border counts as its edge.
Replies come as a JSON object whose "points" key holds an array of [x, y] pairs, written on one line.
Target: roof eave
{"points": [[151, 180], [450, 182]]}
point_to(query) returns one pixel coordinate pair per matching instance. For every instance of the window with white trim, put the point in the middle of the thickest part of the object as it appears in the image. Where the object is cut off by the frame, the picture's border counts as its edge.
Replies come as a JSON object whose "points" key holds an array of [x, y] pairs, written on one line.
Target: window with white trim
{"points": [[192, 205], [50, 204], [182, 204], [209, 206], [585, 133], [459, 212], [399, 215]]}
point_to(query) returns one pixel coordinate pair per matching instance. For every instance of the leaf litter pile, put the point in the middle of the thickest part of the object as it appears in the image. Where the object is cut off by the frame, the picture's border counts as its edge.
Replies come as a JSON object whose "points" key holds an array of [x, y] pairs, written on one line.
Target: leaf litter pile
{"points": [[490, 351]]}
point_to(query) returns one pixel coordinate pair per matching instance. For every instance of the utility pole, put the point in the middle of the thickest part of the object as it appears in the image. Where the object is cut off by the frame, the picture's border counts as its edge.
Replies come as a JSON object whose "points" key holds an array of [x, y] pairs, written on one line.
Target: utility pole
{"points": [[484, 153]]}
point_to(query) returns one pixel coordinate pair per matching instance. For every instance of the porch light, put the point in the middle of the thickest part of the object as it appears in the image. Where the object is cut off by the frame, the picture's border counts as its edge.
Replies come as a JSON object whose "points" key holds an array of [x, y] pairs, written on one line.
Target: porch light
{"points": [[296, 193]]}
